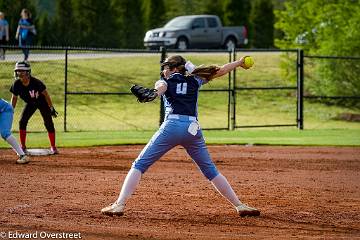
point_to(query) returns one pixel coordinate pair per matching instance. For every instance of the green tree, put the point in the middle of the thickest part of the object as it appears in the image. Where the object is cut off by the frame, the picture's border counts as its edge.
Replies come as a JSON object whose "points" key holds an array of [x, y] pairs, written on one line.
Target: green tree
{"points": [[184, 7], [296, 21], [262, 18], [236, 12], [65, 24], [215, 7], [45, 6], [45, 36], [130, 23], [325, 27], [96, 23], [154, 13]]}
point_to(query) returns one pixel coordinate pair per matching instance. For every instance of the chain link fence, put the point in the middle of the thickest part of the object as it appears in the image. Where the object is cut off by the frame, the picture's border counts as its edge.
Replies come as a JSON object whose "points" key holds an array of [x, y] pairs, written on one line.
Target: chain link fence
{"points": [[90, 89]]}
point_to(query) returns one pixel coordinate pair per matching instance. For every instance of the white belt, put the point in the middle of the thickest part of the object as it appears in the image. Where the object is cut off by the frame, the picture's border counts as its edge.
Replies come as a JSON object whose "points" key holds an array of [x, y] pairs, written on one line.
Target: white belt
{"points": [[181, 117]]}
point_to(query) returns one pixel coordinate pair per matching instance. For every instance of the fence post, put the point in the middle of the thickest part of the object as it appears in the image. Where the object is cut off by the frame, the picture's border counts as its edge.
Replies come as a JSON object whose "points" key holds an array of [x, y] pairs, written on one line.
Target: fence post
{"points": [[162, 110], [300, 89], [229, 97], [234, 92], [65, 88]]}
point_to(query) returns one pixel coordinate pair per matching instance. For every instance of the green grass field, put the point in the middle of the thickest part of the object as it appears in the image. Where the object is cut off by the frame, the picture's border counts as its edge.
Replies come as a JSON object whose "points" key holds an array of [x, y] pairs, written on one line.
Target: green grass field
{"points": [[119, 119], [326, 137]]}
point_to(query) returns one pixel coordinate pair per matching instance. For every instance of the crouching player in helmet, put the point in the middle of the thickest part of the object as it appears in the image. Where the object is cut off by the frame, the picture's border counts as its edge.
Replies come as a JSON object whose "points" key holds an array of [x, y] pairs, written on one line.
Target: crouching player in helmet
{"points": [[34, 93], [6, 119]]}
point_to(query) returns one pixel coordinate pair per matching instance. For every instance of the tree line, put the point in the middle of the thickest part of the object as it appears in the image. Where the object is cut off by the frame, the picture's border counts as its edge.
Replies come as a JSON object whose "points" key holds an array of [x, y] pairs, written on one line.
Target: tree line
{"points": [[123, 23], [325, 28], [320, 27]]}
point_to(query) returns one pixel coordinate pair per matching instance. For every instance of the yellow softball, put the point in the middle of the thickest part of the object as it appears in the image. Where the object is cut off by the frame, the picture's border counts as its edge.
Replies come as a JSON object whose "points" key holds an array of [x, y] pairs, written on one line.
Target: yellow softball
{"points": [[248, 62]]}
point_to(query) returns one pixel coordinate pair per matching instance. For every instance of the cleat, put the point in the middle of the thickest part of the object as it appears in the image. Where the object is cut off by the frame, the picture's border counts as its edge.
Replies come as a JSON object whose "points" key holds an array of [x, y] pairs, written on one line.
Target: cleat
{"points": [[53, 150], [113, 209], [23, 159], [244, 210]]}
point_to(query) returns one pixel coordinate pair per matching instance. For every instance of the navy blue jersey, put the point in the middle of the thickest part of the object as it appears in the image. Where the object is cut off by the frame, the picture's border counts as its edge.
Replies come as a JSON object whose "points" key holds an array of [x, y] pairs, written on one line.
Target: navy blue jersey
{"points": [[181, 96]]}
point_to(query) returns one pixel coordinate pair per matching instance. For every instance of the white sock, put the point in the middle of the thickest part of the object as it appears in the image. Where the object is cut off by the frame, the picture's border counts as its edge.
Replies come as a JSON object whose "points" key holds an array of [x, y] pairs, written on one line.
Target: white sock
{"points": [[131, 181], [223, 187], [14, 144]]}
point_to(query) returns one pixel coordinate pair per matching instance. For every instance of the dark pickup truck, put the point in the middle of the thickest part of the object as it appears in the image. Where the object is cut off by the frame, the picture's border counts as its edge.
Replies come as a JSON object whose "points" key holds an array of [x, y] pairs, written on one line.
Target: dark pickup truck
{"points": [[196, 31]]}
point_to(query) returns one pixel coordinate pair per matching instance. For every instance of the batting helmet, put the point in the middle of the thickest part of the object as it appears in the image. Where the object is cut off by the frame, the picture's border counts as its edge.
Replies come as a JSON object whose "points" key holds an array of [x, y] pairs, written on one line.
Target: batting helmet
{"points": [[21, 66]]}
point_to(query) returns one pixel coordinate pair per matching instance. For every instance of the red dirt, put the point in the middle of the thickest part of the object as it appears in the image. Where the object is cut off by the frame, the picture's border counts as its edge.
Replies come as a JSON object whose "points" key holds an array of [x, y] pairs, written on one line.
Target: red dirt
{"points": [[302, 192]]}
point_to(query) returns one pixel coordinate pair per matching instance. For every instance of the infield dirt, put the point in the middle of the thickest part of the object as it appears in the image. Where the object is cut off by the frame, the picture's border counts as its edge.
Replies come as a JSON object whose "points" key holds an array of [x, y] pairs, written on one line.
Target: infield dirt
{"points": [[302, 192]]}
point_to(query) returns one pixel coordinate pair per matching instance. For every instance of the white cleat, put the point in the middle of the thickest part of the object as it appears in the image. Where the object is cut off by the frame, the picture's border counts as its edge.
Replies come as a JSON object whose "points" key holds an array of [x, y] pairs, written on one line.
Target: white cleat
{"points": [[113, 209], [23, 159], [244, 210]]}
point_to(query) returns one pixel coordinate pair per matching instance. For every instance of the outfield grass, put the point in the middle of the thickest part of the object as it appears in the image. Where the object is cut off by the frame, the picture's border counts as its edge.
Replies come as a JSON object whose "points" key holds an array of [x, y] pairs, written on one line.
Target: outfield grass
{"points": [[121, 113], [326, 137]]}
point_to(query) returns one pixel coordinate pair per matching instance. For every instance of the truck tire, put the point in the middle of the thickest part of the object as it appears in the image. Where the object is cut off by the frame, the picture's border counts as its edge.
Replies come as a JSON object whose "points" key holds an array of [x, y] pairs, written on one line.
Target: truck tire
{"points": [[230, 43], [182, 43]]}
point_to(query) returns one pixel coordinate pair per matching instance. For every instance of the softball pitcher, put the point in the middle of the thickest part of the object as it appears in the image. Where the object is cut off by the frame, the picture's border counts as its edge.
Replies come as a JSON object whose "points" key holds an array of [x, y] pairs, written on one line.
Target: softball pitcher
{"points": [[6, 119], [180, 94], [34, 93]]}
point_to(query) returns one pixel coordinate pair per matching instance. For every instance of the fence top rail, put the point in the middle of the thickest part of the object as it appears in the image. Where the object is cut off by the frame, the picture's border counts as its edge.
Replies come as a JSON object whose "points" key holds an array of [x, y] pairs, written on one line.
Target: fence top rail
{"points": [[60, 48], [267, 125], [266, 88], [98, 93], [265, 50], [198, 51], [332, 57], [227, 51], [334, 97], [71, 48]]}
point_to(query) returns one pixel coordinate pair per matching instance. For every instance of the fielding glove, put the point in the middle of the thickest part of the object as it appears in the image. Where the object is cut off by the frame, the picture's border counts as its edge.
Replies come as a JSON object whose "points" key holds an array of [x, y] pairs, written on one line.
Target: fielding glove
{"points": [[54, 113], [144, 94]]}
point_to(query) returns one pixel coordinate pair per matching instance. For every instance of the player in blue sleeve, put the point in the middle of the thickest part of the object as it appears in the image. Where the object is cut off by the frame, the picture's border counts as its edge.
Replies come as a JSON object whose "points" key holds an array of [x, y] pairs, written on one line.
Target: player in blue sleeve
{"points": [[6, 119], [179, 88]]}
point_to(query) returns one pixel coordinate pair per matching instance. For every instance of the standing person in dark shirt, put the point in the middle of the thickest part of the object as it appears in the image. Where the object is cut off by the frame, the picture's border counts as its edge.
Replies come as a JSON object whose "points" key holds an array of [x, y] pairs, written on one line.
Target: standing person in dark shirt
{"points": [[34, 93], [179, 88]]}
